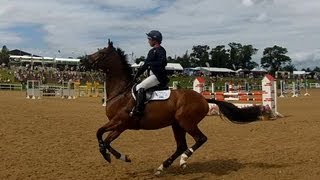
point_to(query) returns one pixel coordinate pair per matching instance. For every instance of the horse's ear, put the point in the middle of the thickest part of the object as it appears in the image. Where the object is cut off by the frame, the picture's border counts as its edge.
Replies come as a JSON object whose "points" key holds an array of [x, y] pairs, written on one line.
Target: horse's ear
{"points": [[110, 43]]}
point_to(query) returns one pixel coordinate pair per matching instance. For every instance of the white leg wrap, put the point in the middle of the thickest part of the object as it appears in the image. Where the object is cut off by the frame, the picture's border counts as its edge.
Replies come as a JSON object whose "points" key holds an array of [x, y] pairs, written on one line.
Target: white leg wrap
{"points": [[160, 168], [123, 157], [184, 157]]}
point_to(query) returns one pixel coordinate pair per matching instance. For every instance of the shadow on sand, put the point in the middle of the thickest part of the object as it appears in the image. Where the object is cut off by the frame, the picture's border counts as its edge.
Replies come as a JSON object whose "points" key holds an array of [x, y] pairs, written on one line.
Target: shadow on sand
{"points": [[218, 167]]}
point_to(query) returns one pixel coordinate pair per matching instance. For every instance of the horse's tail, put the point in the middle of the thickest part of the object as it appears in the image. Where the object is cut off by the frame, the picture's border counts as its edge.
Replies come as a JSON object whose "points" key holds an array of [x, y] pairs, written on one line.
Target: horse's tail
{"points": [[238, 115]]}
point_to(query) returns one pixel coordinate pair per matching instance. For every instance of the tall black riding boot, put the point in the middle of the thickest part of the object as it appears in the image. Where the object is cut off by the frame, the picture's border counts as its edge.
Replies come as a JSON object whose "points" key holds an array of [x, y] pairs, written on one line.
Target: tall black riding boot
{"points": [[139, 108]]}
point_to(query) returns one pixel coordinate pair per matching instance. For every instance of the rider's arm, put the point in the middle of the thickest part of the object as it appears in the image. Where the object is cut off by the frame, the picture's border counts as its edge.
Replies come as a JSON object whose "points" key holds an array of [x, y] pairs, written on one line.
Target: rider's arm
{"points": [[141, 70], [147, 63]]}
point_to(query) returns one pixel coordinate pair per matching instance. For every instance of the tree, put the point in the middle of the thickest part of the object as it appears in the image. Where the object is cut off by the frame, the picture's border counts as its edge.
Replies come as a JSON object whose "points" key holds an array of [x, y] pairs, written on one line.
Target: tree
{"points": [[199, 56], [316, 69], [219, 56], [184, 60], [4, 55], [85, 64], [307, 70], [141, 58], [235, 56], [274, 58], [290, 67], [241, 56], [246, 60], [171, 60]]}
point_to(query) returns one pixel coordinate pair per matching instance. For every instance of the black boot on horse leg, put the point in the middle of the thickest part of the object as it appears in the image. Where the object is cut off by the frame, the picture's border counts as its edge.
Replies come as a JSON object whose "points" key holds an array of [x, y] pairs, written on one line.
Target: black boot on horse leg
{"points": [[112, 136], [103, 147], [180, 137], [200, 139], [139, 108]]}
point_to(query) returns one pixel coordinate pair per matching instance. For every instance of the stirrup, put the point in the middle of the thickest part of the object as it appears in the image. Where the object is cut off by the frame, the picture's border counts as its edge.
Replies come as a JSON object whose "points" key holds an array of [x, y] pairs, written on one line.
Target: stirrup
{"points": [[134, 112]]}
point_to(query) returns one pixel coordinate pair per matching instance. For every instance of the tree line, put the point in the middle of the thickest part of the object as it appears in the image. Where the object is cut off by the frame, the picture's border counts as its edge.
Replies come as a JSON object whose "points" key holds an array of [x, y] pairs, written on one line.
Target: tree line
{"points": [[235, 56]]}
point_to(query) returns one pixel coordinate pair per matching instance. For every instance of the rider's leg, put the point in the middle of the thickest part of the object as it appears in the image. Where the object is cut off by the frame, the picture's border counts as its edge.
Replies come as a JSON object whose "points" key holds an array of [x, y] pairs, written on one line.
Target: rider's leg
{"points": [[147, 83]]}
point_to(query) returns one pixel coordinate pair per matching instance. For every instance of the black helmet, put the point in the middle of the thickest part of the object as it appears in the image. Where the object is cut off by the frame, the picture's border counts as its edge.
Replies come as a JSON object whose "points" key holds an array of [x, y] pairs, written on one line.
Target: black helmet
{"points": [[156, 35]]}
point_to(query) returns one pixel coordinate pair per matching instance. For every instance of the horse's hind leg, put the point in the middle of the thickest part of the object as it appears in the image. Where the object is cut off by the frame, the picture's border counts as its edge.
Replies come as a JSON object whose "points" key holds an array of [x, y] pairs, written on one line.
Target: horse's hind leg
{"points": [[200, 139], [180, 137]]}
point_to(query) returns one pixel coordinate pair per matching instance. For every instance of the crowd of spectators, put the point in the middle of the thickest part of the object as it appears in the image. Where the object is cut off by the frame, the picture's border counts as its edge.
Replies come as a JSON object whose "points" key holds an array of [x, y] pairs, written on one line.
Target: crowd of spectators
{"points": [[46, 75]]}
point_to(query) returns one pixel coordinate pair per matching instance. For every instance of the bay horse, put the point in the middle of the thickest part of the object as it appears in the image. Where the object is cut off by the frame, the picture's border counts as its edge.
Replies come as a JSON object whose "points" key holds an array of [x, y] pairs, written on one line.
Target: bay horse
{"points": [[182, 111]]}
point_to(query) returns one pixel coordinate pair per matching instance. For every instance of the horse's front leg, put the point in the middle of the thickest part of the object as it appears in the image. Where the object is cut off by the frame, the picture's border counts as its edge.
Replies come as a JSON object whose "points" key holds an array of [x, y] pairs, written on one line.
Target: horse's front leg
{"points": [[112, 136], [111, 125]]}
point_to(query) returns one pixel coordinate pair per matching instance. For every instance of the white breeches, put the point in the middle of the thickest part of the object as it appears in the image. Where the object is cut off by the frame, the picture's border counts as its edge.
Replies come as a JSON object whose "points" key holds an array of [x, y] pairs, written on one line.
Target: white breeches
{"points": [[149, 82]]}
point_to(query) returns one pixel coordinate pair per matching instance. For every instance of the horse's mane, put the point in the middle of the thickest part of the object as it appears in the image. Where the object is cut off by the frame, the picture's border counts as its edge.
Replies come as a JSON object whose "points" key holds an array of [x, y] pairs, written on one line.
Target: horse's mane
{"points": [[126, 66]]}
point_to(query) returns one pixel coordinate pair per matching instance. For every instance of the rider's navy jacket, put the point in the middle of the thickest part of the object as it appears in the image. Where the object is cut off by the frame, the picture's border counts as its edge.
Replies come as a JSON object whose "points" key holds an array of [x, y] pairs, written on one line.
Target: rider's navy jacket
{"points": [[156, 62]]}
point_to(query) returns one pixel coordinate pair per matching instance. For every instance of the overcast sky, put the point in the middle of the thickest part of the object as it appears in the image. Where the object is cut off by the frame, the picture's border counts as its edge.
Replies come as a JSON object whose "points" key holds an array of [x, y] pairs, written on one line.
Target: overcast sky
{"points": [[77, 27]]}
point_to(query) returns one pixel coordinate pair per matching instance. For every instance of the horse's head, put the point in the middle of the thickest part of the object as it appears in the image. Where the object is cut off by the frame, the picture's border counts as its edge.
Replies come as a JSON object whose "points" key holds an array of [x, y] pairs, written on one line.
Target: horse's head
{"points": [[111, 61], [101, 58]]}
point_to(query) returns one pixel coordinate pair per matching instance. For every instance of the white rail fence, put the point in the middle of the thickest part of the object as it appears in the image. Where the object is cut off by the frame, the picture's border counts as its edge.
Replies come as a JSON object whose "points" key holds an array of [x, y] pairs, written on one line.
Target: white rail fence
{"points": [[6, 86]]}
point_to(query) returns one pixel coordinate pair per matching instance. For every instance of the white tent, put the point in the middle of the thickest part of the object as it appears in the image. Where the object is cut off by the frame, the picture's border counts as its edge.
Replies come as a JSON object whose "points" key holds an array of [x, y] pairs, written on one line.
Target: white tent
{"points": [[42, 59], [299, 73], [174, 67], [135, 65], [258, 70], [215, 69]]}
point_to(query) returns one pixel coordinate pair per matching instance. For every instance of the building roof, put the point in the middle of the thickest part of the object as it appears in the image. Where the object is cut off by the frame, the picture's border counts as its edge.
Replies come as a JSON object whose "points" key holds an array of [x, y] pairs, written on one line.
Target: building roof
{"points": [[242, 70], [135, 65], [215, 69], [18, 52], [201, 80], [258, 70], [66, 60], [42, 59], [174, 66], [299, 73], [269, 77]]}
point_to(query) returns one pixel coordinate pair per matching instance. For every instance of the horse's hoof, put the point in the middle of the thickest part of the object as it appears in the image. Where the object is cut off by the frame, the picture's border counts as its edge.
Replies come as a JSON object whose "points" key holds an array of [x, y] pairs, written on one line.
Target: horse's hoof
{"points": [[183, 166], [158, 173], [107, 157], [128, 159]]}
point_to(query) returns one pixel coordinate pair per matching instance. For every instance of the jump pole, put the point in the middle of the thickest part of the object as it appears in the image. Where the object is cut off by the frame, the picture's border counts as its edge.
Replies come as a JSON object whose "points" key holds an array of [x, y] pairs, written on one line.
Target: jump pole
{"points": [[104, 94]]}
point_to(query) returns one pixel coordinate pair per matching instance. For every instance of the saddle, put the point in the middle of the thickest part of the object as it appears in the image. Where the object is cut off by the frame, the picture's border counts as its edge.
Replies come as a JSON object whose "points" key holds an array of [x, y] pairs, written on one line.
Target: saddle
{"points": [[157, 93]]}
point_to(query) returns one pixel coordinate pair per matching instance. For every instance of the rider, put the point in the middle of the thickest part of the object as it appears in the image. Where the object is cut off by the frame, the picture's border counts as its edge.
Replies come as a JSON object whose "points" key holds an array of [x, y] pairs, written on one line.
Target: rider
{"points": [[155, 64]]}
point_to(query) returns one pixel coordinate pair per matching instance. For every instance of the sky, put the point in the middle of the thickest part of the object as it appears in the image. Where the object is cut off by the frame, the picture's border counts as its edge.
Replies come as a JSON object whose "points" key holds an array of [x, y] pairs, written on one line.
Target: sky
{"points": [[80, 27]]}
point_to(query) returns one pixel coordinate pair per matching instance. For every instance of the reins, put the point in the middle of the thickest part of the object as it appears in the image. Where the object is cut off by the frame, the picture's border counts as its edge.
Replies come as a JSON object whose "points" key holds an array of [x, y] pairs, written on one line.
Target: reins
{"points": [[121, 92]]}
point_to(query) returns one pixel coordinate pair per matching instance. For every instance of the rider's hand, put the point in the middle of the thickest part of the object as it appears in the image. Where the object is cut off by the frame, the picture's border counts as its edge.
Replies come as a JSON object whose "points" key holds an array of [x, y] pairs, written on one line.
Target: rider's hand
{"points": [[135, 78]]}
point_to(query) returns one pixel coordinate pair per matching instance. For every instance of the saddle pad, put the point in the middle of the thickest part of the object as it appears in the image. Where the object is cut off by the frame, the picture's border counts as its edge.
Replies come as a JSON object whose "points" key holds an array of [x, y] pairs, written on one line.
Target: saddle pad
{"points": [[156, 95], [160, 95]]}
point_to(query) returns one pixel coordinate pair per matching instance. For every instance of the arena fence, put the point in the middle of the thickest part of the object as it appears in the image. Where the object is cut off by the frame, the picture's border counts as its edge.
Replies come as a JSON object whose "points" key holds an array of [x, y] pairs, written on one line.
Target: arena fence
{"points": [[6, 86]]}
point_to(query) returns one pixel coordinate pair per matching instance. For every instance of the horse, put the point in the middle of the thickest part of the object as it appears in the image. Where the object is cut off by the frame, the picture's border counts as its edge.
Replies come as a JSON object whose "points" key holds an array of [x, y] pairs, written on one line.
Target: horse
{"points": [[183, 110]]}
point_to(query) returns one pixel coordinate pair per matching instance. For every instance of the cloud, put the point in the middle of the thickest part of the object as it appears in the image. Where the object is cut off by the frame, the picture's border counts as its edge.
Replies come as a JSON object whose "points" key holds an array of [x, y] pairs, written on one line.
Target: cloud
{"points": [[306, 59], [247, 2], [84, 26]]}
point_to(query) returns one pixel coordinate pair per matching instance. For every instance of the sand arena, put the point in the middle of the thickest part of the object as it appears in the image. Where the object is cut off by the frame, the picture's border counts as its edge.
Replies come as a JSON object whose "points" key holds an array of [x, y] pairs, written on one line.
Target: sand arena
{"points": [[53, 138]]}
